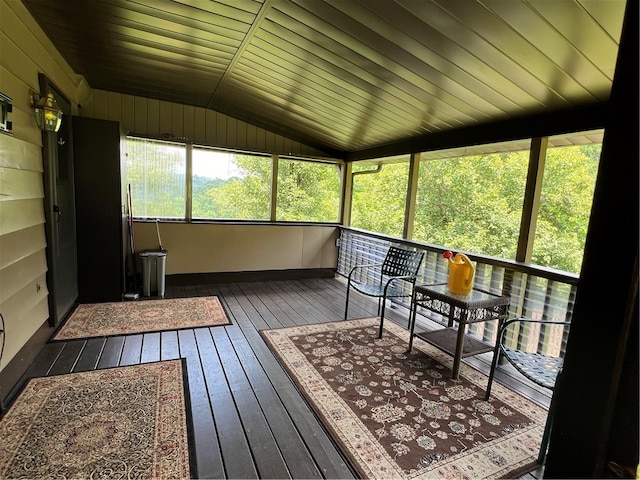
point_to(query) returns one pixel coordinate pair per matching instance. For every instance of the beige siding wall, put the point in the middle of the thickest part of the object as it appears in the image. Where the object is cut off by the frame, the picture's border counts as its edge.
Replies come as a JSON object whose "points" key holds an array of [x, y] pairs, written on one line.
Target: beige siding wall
{"points": [[25, 51]]}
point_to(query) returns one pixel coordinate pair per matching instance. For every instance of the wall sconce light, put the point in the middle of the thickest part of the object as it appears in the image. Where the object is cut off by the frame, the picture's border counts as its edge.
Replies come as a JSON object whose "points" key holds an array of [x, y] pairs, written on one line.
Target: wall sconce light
{"points": [[48, 114], [6, 107]]}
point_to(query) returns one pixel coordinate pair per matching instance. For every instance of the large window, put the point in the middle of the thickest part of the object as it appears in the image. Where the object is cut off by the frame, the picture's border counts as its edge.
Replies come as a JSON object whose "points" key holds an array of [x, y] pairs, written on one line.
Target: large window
{"points": [[230, 185], [379, 195], [472, 203], [156, 172], [565, 206], [308, 191]]}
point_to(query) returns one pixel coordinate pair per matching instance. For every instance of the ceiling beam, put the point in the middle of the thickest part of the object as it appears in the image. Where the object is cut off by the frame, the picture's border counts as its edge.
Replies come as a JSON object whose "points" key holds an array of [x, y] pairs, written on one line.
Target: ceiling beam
{"points": [[255, 26], [590, 117]]}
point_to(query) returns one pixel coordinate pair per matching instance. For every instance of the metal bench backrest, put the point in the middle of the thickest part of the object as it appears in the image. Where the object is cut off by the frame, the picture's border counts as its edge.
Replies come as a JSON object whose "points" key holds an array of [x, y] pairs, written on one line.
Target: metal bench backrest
{"points": [[402, 262]]}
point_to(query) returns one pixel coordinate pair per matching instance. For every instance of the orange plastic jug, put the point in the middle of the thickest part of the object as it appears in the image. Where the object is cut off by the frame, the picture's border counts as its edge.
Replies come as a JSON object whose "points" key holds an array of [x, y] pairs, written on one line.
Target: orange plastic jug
{"points": [[461, 273]]}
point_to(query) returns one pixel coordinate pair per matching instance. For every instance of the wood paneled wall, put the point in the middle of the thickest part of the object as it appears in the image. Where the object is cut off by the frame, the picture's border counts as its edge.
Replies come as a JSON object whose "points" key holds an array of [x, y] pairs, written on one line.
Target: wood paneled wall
{"points": [[154, 118]]}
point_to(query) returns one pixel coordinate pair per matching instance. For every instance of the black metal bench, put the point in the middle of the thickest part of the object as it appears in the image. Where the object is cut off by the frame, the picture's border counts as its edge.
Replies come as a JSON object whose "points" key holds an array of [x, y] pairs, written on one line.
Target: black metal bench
{"points": [[541, 369]]}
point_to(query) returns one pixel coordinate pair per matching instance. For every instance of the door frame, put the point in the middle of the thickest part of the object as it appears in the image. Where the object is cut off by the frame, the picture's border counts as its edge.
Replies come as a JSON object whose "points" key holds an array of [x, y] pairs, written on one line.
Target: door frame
{"points": [[49, 160]]}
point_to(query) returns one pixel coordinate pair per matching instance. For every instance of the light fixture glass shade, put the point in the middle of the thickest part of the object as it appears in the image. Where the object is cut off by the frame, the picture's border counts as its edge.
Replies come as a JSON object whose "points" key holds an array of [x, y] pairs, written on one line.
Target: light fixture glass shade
{"points": [[48, 114]]}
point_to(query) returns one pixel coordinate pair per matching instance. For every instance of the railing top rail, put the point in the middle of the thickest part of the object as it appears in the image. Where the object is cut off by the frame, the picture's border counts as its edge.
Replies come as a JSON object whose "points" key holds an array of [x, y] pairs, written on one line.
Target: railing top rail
{"points": [[523, 267]]}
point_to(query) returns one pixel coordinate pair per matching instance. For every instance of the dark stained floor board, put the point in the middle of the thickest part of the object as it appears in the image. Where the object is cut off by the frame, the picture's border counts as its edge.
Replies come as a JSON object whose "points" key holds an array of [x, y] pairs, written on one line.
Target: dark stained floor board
{"points": [[132, 350], [299, 460], [169, 347], [322, 448], [90, 355], [150, 347], [233, 442], [68, 357], [111, 352], [249, 420], [45, 360], [265, 451], [205, 437]]}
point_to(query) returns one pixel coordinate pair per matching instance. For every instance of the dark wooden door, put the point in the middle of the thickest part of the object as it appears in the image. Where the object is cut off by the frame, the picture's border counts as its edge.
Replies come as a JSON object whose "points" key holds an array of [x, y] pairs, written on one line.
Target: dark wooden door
{"points": [[62, 274]]}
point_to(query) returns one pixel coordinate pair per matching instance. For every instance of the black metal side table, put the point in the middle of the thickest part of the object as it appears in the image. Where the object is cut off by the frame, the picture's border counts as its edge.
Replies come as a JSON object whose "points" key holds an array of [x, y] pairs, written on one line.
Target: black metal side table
{"points": [[477, 306]]}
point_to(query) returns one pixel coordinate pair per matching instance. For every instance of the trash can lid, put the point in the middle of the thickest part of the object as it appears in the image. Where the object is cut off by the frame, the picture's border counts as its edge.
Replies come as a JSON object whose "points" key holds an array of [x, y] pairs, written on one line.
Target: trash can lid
{"points": [[153, 253]]}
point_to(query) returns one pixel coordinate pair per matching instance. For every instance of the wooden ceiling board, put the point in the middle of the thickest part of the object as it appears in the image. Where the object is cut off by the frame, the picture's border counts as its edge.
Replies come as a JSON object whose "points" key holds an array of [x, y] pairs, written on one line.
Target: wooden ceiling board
{"points": [[121, 49], [341, 87], [319, 115], [601, 13], [361, 82], [104, 19], [339, 115], [591, 37], [249, 6], [559, 44], [251, 115], [449, 58], [416, 61], [307, 127], [376, 65], [307, 124], [502, 47], [172, 82], [317, 85], [347, 76], [227, 21]]}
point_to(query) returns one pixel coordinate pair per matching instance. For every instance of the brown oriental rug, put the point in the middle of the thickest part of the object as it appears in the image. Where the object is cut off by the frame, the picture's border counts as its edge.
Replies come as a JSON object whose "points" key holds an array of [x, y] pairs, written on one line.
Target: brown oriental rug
{"points": [[400, 415], [126, 422], [123, 318]]}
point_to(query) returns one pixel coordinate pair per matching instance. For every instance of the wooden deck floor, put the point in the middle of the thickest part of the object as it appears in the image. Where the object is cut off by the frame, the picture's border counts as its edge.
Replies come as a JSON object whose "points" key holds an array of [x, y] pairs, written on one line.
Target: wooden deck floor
{"points": [[249, 419]]}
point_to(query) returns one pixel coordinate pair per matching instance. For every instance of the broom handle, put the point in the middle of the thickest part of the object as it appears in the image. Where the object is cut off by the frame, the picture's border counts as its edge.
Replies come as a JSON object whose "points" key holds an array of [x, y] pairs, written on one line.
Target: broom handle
{"points": [[158, 232]]}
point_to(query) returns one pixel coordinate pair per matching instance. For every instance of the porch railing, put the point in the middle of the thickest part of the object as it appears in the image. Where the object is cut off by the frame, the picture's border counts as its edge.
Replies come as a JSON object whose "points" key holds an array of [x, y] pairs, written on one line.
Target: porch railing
{"points": [[535, 292]]}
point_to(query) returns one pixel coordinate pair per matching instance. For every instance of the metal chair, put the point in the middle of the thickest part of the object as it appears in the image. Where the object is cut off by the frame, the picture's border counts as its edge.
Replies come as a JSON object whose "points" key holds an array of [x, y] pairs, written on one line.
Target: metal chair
{"points": [[395, 277], [541, 369]]}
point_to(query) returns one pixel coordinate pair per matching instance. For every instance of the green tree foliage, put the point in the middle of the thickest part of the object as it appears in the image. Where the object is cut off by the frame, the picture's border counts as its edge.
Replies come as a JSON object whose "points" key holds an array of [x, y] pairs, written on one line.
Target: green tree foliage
{"points": [[472, 204], [307, 191], [201, 205], [379, 199], [565, 206], [245, 196]]}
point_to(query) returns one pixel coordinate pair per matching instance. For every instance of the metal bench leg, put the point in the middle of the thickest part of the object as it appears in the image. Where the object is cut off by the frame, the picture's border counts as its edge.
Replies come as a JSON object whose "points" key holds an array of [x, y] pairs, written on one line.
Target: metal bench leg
{"points": [[547, 428], [384, 303], [496, 359], [346, 305]]}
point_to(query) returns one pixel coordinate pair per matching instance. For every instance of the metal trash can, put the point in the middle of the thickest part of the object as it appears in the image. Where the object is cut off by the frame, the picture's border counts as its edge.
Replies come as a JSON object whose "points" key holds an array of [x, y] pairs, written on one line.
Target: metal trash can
{"points": [[153, 271]]}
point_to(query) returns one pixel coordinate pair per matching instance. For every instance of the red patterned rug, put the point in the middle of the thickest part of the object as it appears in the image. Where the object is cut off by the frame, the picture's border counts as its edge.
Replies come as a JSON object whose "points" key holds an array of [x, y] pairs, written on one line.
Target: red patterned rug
{"points": [[400, 415], [123, 318], [126, 422]]}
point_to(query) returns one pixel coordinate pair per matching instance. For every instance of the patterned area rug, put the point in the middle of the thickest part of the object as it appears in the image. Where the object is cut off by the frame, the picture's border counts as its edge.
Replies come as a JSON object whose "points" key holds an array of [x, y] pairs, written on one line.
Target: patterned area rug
{"points": [[400, 415], [127, 422], [122, 318]]}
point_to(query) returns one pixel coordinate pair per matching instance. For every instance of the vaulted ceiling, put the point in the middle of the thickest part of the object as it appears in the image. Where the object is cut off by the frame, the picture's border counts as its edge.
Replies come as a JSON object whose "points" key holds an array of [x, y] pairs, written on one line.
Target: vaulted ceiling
{"points": [[346, 75]]}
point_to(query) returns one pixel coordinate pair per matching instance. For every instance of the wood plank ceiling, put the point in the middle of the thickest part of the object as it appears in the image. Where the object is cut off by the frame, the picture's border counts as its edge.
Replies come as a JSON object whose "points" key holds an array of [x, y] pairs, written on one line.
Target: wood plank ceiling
{"points": [[346, 75]]}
